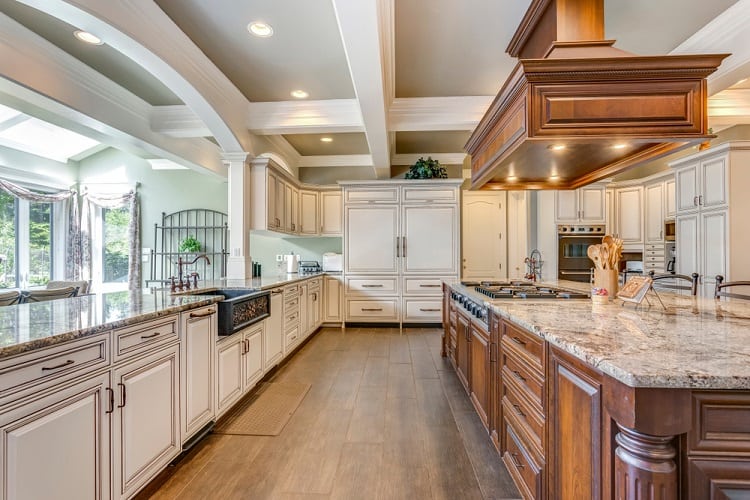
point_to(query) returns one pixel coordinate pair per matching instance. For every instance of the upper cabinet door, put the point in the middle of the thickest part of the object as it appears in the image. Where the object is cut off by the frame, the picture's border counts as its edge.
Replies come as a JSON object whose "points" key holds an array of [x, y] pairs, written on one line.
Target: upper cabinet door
{"points": [[670, 198], [331, 213], [271, 204], [591, 204], [687, 188], [566, 206], [714, 183], [429, 241], [654, 194], [308, 216], [629, 202], [371, 239]]}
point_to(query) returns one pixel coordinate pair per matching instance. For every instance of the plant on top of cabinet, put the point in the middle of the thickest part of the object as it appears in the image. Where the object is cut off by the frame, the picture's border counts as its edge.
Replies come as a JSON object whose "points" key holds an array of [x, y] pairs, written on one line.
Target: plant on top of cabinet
{"points": [[190, 244], [426, 169]]}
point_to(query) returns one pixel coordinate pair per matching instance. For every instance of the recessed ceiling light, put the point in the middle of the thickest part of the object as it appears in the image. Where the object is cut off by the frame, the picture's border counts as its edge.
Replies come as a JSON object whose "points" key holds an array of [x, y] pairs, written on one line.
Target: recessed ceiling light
{"points": [[326, 139], [620, 146], [556, 147], [87, 37], [261, 29], [299, 94], [554, 177], [511, 178]]}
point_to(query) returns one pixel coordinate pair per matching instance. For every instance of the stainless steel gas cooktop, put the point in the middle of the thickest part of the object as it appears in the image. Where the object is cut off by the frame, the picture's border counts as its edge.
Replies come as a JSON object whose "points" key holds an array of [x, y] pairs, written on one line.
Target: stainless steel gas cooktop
{"points": [[522, 290]]}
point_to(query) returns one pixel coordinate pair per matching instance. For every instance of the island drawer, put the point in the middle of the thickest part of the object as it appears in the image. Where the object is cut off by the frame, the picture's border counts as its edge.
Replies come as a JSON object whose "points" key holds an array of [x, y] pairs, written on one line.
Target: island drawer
{"points": [[372, 310], [721, 422], [526, 344], [144, 336], [521, 464], [524, 379], [528, 421], [423, 309], [53, 365], [372, 286]]}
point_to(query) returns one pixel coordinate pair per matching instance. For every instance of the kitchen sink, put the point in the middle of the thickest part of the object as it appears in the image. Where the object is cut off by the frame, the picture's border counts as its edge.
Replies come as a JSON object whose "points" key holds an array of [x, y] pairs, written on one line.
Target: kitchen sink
{"points": [[240, 308]]}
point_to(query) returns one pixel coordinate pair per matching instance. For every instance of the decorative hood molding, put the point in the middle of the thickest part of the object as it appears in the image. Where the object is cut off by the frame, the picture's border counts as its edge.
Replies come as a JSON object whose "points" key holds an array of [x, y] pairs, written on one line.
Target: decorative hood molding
{"points": [[576, 109]]}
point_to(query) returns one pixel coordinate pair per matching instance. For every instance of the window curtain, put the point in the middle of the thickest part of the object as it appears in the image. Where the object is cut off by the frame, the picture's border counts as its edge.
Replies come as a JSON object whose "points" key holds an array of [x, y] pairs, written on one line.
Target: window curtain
{"points": [[68, 202], [90, 202]]}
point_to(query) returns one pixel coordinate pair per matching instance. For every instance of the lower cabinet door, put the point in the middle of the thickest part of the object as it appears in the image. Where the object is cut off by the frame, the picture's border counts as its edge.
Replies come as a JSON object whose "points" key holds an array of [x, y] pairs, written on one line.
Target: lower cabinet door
{"points": [[719, 479], [58, 445], [229, 361], [521, 464], [480, 372], [253, 358], [197, 380], [146, 427]]}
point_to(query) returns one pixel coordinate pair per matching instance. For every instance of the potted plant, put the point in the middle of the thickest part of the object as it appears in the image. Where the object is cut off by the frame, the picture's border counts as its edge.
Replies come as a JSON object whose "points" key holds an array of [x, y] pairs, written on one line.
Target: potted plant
{"points": [[190, 244], [426, 169]]}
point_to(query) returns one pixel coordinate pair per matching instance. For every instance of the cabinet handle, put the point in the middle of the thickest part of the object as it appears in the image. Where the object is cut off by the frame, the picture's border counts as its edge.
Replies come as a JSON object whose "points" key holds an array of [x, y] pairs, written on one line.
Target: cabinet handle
{"points": [[428, 309], [519, 412], [430, 286], [247, 348], [123, 395], [518, 375], [372, 309], [372, 286], [695, 201], [66, 363], [155, 334], [518, 341], [208, 312], [403, 246], [398, 247], [277, 291], [516, 463], [700, 200], [111, 399]]}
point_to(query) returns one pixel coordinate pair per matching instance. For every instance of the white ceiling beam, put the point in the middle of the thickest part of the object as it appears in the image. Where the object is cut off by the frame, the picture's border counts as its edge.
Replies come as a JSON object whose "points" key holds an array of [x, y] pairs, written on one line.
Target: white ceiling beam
{"points": [[444, 158], [726, 33], [177, 120], [336, 161], [437, 113], [305, 117], [363, 25]]}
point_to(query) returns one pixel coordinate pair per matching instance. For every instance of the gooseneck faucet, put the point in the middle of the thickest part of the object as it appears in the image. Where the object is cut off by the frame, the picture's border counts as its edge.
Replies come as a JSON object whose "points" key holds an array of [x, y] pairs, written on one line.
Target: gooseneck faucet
{"points": [[180, 271]]}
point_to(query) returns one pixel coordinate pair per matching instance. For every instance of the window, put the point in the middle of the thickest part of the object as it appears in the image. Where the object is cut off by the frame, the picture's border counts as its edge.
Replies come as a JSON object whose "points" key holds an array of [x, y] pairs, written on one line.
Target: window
{"points": [[25, 242], [115, 244]]}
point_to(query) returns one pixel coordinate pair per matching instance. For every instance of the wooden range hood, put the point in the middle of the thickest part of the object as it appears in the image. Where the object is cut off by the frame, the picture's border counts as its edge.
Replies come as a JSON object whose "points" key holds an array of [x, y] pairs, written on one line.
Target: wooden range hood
{"points": [[576, 110]]}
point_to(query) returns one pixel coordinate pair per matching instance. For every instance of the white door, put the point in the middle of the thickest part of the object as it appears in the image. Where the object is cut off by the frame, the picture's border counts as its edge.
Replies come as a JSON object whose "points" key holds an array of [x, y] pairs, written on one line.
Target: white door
{"points": [[146, 428], [629, 214], [687, 188], [714, 183], [331, 213], [308, 214], [229, 371], [274, 331], [714, 234], [566, 206], [654, 195], [370, 239], [332, 287], [58, 446], [686, 243], [670, 194], [592, 204], [198, 354], [484, 237], [429, 241], [253, 358]]}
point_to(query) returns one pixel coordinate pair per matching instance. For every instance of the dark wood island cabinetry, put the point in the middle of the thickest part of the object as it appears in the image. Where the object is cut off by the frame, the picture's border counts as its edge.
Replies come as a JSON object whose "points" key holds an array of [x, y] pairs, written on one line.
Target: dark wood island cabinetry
{"points": [[567, 429]]}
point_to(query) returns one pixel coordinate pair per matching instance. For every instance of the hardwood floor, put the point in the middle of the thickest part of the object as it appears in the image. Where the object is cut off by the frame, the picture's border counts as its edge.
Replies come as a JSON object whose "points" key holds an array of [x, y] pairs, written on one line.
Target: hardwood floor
{"points": [[385, 418]]}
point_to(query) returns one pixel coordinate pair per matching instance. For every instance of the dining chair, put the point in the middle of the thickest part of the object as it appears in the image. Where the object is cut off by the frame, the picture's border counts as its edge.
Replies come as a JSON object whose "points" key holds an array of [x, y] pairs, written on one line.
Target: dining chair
{"points": [[10, 298], [51, 294], [721, 285], [83, 285], [671, 281]]}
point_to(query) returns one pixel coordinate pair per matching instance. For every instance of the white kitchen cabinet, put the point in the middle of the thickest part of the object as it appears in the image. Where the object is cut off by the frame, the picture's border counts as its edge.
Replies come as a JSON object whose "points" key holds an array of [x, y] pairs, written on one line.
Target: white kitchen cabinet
{"points": [[331, 213], [714, 251], [702, 184], [197, 372], [252, 339], [290, 204], [629, 215], [304, 295], [314, 305], [274, 207], [292, 328], [583, 205], [654, 211], [57, 445], [308, 214], [229, 361], [483, 235], [429, 241], [372, 244], [670, 196], [333, 290], [146, 424], [687, 229], [274, 331]]}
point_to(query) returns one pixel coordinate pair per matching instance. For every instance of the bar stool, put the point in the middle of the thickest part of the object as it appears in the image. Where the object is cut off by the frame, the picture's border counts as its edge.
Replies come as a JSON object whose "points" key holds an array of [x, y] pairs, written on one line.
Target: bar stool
{"points": [[720, 286]]}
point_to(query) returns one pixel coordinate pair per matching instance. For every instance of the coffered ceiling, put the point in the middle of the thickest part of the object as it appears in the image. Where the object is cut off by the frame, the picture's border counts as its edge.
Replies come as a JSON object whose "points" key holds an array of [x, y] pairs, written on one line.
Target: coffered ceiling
{"points": [[387, 80]]}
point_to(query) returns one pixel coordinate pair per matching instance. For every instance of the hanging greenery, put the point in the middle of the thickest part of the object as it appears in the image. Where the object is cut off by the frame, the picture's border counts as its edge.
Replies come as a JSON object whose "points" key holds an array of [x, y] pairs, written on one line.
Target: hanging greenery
{"points": [[190, 244], [426, 169]]}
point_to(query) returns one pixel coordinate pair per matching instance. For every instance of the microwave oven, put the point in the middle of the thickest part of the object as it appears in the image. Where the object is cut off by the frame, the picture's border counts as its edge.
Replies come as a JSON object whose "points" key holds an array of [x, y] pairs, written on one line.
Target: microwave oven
{"points": [[669, 230]]}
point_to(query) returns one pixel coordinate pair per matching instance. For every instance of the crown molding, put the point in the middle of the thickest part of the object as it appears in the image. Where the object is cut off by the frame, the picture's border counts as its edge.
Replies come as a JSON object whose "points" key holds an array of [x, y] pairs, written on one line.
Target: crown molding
{"points": [[444, 158], [437, 113], [336, 161]]}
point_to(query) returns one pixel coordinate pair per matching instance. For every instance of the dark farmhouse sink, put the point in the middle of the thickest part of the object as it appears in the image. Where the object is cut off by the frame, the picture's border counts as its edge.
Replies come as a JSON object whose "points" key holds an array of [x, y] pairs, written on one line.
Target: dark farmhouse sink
{"points": [[240, 308]]}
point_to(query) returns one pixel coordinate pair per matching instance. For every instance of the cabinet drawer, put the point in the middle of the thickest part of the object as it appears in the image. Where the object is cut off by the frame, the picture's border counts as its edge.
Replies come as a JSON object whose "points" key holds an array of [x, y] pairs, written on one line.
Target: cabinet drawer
{"points": [[372, 286], [291, 293], [429, 195], [526, 473], [654, 253], [144, 336], [388, 195], [291, 319], [526, 344], [719, 479], [652, 246], [523, 378], [53, 365], [721, 422], [530, 423], [423, 310], [423, 286], [291, 336], [372, 310]]}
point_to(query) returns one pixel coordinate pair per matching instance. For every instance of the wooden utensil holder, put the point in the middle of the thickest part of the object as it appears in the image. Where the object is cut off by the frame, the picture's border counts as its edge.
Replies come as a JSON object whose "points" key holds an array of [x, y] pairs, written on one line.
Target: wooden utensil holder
{"points": [[606, 278]]}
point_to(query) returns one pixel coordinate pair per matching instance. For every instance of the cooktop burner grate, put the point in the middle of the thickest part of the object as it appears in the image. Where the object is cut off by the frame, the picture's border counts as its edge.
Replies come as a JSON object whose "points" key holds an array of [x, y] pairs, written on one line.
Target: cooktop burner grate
{"points": [[525, 290]]}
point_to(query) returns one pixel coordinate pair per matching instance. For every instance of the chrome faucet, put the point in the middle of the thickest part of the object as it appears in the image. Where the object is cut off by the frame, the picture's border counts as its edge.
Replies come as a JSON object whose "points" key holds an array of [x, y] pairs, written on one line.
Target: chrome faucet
{"points": [[186, 284]]}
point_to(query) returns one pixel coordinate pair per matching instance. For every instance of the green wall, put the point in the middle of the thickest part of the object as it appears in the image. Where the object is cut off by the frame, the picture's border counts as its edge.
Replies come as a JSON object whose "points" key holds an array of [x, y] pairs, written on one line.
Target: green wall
{"points": [[265, 247]]}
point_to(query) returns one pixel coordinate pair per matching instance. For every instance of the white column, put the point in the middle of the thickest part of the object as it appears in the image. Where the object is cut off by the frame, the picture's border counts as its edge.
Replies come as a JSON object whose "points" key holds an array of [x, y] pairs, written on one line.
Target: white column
{"points": [[239, 265]]}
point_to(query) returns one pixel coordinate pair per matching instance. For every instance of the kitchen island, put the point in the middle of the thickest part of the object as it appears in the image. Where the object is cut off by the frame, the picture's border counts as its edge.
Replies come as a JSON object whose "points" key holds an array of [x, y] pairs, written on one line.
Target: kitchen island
{"points": [[610, 401]]}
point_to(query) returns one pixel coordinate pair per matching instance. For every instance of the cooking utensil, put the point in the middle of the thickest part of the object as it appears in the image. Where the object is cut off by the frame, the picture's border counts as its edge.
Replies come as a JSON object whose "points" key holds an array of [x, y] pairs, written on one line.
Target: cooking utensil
{"points": [[594, 255], [604, 255]]}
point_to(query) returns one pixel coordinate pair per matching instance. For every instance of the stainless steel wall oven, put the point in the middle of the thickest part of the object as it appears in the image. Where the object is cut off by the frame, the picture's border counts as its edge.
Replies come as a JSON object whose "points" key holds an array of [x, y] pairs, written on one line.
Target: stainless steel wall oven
{"points": [[572, 244]]}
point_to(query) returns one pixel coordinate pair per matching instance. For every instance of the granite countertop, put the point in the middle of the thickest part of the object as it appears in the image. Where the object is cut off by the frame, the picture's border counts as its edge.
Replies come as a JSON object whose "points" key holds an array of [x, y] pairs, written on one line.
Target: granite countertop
{"points": [[27, 327], [697, 342]]}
